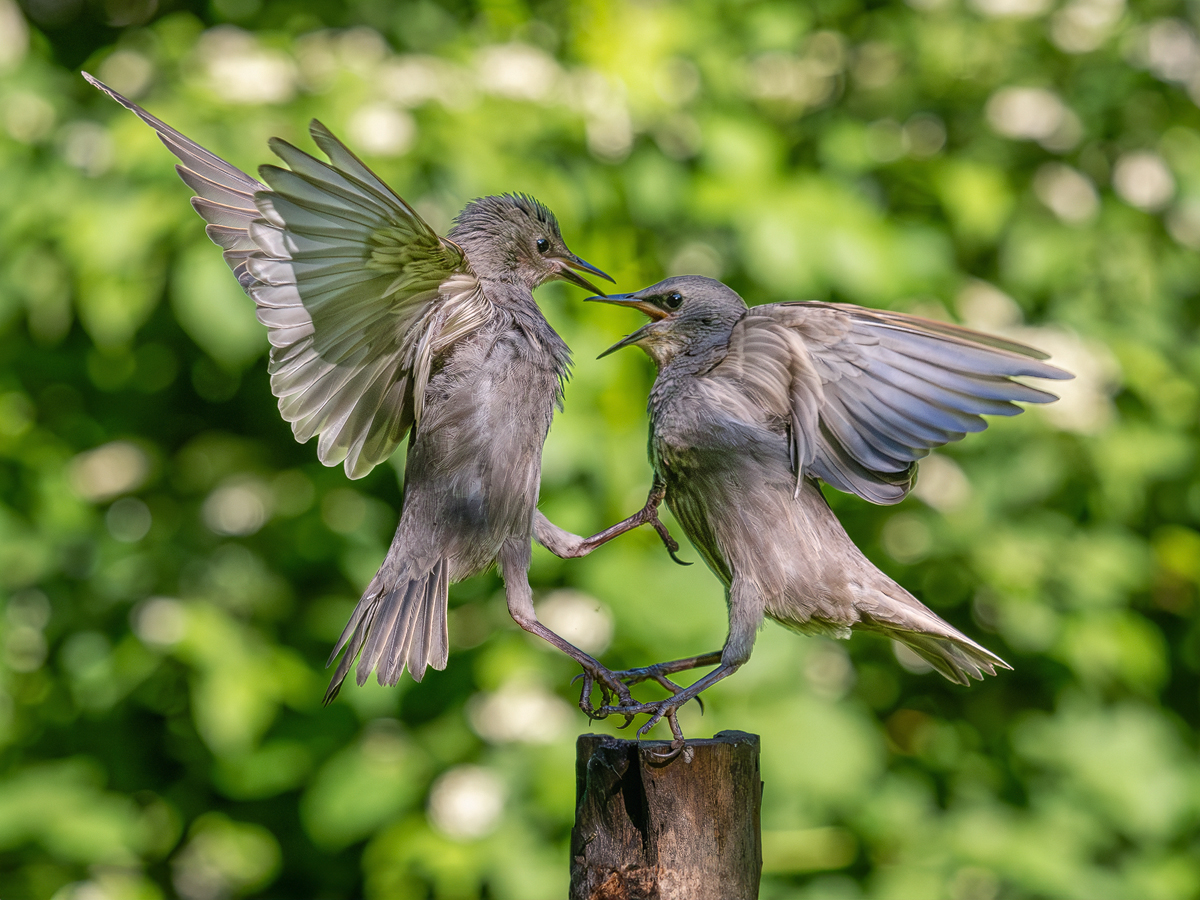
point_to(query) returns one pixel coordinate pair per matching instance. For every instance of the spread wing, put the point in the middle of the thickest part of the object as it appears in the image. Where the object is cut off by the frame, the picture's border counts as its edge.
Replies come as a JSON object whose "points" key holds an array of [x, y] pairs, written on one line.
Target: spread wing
{"points": [[867, 393], [356, 290]]}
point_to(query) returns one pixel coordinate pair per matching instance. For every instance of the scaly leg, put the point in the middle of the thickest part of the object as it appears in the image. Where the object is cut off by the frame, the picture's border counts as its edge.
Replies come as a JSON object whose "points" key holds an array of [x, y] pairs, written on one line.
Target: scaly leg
{"points": [[513, 562], [566, 545], [659, 671], [745, 615]]}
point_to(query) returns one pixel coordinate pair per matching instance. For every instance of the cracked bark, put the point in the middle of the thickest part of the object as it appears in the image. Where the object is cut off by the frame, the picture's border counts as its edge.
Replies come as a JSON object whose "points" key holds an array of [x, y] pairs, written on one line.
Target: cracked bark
{"points": [[648, 830]]}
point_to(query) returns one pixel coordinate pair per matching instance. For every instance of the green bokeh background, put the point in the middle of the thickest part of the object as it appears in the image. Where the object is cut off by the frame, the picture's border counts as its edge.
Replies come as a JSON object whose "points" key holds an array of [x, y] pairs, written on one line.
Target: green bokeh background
{"points": [[1025, 166]]}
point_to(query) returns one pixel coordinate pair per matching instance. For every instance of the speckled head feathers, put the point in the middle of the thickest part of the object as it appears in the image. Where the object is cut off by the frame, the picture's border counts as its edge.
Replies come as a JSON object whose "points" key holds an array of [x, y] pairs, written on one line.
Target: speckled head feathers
{"points": [[510, 235]]}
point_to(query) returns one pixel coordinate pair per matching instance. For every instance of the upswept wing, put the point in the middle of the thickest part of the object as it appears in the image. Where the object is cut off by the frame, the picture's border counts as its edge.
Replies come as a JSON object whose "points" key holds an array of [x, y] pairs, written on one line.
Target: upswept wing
{"points": [[867, 393], [346, 277]]}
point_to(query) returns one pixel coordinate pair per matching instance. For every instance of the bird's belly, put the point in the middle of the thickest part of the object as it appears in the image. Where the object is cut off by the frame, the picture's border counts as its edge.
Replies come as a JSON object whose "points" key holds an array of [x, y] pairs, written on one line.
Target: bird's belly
{"points": [[473, 468], [747, 522]]}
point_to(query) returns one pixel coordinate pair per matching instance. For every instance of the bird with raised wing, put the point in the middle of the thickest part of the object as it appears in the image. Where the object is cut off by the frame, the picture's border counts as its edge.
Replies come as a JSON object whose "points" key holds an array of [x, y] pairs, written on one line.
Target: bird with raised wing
{"points": [[753, 406], [379, 327]]}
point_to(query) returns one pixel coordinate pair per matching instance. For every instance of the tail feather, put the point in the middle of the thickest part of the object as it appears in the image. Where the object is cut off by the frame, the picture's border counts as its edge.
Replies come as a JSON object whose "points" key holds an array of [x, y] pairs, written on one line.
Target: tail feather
{"points": [[394, 637], [404, 627], [415, 634], [957, 658], [387, 611], [906, 619], [354, 645], [431, 644], [352, 633]]}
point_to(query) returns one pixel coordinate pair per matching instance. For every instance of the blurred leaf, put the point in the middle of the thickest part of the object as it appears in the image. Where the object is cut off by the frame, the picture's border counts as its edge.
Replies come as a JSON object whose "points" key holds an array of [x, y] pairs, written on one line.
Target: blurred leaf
{"points": [[165, 621]]}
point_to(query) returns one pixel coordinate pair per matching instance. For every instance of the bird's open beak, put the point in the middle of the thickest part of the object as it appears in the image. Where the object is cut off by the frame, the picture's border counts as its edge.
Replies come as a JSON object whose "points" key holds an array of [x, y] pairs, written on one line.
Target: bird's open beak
{"points": [[572, 265], [635, 302]]}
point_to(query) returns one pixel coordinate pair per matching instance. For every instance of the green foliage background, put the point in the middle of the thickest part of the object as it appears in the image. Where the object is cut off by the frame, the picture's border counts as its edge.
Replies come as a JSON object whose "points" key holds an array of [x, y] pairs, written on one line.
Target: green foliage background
{"points": [[168, 603]]}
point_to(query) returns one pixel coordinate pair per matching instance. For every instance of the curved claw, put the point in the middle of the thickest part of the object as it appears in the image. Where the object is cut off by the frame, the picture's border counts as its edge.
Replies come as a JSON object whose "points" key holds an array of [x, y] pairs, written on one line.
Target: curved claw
{"points": [[614, 694], [669, 542], [585, 698], [678, 745], [675, 750], [654, 720]]}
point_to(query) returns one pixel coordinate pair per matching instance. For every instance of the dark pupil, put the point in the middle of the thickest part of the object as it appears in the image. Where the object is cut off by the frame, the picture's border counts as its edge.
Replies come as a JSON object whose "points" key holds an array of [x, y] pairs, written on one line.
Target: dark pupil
{"points": [[543, 245], [672, 301]]}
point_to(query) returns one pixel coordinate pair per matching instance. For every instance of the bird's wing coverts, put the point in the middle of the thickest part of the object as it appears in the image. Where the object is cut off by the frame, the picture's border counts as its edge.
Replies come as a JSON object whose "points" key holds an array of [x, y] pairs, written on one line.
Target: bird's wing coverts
{"points": [[867, 393], [356, 290]]}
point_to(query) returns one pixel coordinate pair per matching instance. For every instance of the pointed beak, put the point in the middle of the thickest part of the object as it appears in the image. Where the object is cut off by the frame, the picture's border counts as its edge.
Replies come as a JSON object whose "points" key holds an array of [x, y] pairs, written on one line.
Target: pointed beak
{"points": [[631, 300], [572, 265], [628, 340], [634, 302]]}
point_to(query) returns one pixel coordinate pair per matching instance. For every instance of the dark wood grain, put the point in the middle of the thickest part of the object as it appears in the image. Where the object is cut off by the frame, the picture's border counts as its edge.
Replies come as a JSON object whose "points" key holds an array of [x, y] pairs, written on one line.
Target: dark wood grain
{"points": [[678, 830]]}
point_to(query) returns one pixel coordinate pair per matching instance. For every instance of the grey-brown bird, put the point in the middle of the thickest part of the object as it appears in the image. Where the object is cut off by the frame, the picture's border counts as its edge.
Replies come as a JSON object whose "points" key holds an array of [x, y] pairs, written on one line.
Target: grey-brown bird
{"points": [[378, 327], [752, 406]]}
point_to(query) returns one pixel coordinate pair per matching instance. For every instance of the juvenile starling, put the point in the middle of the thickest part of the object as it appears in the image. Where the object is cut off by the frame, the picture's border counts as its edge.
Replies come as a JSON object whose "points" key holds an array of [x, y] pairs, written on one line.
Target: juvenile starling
{"points": [[753, 405], [378, 327]]}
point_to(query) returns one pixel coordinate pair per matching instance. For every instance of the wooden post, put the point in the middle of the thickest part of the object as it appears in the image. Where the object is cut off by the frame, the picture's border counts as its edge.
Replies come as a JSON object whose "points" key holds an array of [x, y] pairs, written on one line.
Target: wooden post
{"points": [[679, 830]]}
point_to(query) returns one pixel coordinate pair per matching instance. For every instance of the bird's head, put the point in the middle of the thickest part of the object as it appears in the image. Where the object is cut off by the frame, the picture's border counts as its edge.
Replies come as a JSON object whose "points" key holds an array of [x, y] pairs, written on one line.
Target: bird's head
{"points": [[509, 236], [688, 315]]}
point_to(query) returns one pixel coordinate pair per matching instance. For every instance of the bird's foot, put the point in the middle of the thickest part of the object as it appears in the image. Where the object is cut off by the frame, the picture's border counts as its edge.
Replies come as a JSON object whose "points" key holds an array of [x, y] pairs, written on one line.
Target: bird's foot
{"points": [[655, 673], [649, 515], [667, 709], [657, 710], [678, 744], [611, 688], [669, 542]]}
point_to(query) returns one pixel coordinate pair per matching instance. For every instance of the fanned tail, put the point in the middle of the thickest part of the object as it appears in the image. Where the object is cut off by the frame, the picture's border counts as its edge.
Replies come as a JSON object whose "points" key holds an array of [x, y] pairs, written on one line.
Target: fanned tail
{"points": [[397, 627]]}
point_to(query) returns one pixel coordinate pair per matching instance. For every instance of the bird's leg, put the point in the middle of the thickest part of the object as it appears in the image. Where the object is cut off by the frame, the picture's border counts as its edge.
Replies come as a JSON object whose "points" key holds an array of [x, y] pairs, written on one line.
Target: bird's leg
{"points": [[593, 672], [566, 545], [660, 709], [745, 616], [513, 561], [659, 671]]}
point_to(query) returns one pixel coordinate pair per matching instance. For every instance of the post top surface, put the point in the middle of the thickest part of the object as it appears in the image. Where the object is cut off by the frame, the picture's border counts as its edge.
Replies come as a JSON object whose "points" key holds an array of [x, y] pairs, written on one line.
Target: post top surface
{"points": [[722, 737]]}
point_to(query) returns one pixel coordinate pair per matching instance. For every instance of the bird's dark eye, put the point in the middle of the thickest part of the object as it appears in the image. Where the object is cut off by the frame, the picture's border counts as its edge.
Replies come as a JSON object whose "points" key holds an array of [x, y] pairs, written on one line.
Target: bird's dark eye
{"points": [[543, 245], [672, 300]]}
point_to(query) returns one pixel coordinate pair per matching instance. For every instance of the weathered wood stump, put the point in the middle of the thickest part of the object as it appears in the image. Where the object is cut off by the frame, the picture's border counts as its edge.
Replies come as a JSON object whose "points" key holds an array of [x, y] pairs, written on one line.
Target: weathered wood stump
{"points": [[677, 830]]}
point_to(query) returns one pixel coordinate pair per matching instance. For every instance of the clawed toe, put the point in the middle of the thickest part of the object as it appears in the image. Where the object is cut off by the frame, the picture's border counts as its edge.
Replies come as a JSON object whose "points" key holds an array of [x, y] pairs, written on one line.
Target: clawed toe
{"points": [[611, 689], [658, 710], [676, 748], [630, 677]]}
